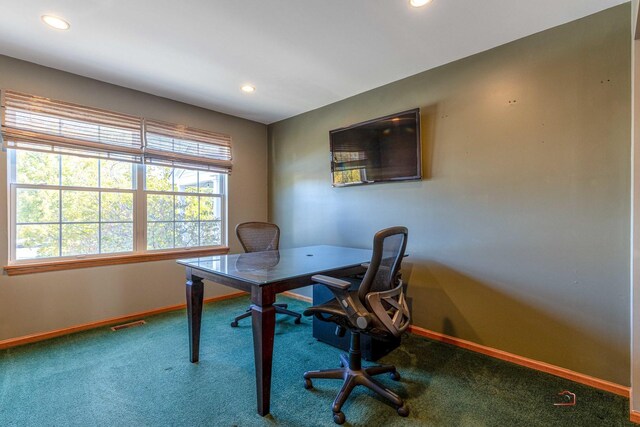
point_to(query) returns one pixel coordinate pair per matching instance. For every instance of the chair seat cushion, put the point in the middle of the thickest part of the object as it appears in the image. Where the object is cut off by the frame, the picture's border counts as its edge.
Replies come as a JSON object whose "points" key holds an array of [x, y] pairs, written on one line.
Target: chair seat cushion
{"points": [[332, 308], [331, 311]]}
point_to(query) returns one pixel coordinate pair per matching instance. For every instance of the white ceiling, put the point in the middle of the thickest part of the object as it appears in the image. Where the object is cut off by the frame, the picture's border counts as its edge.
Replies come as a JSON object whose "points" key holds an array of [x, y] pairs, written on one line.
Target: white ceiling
{"points": [[300, 54]]}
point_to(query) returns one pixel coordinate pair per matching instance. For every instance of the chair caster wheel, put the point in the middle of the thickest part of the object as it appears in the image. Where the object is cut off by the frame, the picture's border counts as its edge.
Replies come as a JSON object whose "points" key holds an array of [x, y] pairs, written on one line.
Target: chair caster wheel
{"points": [[308, 384], [338, 417], [297, 322], [403, 411], [394, 375], [234, 324]]}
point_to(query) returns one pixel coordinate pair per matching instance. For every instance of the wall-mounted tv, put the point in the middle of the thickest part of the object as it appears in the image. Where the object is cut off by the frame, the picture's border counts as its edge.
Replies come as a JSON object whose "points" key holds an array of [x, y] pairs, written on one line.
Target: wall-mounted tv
{"points": [[379, 150]]}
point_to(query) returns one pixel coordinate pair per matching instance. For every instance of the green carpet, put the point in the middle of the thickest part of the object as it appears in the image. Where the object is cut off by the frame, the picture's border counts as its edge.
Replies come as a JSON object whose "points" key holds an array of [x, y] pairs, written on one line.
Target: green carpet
{"points": [[142, 377]]}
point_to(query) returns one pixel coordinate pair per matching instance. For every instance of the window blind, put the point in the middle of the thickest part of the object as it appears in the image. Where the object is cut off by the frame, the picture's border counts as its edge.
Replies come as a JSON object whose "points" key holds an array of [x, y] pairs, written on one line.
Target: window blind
{"points": [[42, 124], [180, 146]]}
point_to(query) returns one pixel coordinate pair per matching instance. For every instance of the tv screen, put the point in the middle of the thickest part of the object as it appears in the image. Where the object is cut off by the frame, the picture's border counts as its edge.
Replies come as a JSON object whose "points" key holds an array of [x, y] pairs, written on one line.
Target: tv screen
{"points": [[379, 150]]}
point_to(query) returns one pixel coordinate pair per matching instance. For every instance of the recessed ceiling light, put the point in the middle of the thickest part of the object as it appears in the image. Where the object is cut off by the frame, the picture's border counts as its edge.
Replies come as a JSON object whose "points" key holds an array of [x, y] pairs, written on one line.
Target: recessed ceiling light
{"points": [[248, 88], [418, 3], [55, 22]]}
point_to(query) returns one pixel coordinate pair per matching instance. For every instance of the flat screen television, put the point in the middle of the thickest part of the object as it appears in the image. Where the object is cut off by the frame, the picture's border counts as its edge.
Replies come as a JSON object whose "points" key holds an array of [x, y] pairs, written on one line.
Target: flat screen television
{"points": [[379, 150]]}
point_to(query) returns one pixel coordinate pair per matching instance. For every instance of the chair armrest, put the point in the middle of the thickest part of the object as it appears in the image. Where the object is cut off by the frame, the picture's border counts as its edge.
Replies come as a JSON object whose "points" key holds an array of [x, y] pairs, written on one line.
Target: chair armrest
{"points": [[331, 282]]}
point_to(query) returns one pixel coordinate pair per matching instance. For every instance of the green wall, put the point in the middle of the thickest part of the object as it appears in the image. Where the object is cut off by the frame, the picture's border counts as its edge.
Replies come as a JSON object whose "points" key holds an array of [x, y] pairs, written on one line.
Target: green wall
{"points": [[519, 231], [43, 302]]}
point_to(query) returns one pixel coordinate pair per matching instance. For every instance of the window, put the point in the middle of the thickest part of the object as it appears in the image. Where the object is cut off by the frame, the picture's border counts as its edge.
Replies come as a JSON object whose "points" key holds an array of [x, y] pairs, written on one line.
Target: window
{"points": [[349, 167], [90, 183], [184, 207], [67, 205]]}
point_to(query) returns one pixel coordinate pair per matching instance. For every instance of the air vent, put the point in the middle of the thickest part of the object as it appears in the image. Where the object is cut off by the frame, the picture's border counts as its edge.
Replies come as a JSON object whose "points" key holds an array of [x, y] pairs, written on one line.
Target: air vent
{"points": [[128, 325]]}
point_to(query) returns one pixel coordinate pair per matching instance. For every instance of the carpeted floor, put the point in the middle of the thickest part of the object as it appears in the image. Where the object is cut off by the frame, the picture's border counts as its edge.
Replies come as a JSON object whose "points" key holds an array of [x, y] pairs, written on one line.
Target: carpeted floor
{"points": [[142, 377]]}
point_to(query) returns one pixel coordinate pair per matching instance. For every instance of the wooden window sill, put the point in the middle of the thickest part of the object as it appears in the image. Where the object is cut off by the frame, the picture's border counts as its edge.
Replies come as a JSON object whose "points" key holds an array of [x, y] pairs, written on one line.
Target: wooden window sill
{"points": [[71, 264]]}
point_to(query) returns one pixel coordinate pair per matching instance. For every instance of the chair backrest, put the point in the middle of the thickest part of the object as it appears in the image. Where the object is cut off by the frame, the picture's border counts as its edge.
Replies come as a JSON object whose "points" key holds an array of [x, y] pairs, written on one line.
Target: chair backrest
{"points": [[258, 236], [381, 290]]}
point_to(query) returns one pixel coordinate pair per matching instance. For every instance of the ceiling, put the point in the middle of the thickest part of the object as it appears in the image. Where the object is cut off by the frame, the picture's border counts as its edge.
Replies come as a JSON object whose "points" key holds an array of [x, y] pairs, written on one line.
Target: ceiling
{"points": [[299, 54]]}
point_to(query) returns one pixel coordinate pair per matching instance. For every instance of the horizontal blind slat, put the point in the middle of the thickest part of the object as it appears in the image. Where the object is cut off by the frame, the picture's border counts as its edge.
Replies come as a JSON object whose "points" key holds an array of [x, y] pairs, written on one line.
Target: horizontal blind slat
{"points": [[33, 102], [175, 163], [58, 149]]}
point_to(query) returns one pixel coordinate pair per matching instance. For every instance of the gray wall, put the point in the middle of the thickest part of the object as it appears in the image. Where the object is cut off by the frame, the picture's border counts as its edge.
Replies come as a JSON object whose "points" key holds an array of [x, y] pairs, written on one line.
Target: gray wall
{"points": [[519, 232], [49, 301]]}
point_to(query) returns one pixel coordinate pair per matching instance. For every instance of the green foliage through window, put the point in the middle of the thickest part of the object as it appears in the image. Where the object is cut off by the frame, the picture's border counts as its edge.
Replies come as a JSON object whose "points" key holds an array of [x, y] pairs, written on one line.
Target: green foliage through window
{"points": [[185, 208], [67, 205]]}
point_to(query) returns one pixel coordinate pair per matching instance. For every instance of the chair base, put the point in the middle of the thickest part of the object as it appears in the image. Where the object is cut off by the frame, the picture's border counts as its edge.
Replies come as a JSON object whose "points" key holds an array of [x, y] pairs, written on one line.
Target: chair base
{"points": [[280, 309], [353, 374]]}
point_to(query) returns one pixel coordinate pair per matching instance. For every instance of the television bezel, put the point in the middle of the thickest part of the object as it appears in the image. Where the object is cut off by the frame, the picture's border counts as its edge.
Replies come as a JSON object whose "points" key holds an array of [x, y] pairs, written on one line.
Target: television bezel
{"points": [[418, 143]]}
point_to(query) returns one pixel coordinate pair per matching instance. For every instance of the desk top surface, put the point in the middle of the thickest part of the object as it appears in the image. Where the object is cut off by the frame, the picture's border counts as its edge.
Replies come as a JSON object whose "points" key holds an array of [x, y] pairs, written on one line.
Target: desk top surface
{"points": [[261, 268]]}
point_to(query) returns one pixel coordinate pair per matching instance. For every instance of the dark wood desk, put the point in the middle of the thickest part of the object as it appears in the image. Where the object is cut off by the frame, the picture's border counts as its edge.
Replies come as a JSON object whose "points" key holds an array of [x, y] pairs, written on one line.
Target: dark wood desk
{"points": [[263, 275]]}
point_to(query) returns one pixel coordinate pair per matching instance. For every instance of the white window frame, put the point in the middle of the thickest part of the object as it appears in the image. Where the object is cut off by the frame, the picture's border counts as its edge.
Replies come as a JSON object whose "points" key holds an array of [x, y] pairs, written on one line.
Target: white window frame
{"points": [[139, 214]]}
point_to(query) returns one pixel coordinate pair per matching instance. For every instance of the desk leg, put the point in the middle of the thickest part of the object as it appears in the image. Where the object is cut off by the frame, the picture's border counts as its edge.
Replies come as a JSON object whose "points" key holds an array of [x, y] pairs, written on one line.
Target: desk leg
{"points": [[195, 292], [263, 316]]}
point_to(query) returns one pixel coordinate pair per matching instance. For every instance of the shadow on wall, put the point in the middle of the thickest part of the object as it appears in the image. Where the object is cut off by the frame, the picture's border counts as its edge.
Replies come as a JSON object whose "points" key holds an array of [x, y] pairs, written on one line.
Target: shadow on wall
{"points": [[428, 116], [456, 304], [440, 314]]}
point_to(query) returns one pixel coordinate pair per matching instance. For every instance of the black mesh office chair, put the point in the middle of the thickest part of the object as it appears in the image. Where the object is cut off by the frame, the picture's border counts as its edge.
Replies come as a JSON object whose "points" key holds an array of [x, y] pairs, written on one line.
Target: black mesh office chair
{"points": [[378, 308], [258, 237]]}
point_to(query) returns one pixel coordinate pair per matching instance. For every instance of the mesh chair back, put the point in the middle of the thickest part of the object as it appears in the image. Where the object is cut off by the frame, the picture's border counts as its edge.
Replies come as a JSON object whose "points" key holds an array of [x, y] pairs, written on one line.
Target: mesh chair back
{"points": [[258, 236], [381, 290], [388, 249]]}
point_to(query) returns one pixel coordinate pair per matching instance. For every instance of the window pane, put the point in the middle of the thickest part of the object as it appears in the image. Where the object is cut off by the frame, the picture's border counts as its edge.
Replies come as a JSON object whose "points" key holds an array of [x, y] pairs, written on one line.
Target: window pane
{"points": [[159, 235], [28, 120], [37, 241], [210, 182], [116, 206], [186, 181], [186, 234], [79, 171], [79, 206], [78, 129], [210, 208], [186, 208], [37, 168], [34, 205], [115, 174], [79, 239], [158, 178], [117, 237], [159, 207], [210, 234], [124, 136]]}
